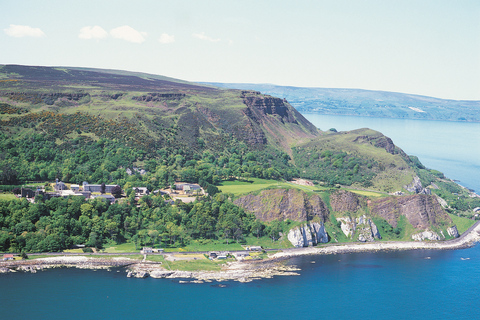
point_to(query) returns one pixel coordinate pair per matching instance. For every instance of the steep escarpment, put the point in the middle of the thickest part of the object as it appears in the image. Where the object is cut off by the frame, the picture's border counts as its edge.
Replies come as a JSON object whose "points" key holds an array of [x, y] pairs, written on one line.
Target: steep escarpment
{"points": [[422, 211], [280, 122], [344, 201], [282, 204]]}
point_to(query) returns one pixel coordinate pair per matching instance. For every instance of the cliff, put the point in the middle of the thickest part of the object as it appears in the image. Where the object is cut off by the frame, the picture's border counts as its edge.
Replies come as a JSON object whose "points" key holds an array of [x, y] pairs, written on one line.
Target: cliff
{"points": [[422, 211], [308, 235], [281, 204]]}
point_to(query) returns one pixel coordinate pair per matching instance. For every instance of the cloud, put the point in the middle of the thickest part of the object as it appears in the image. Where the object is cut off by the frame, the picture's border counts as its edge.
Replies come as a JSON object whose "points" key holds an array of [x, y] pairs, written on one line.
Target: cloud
{"points": [[23, 31], [127, 33], [166, 38], [202, 36], [94, 32]]}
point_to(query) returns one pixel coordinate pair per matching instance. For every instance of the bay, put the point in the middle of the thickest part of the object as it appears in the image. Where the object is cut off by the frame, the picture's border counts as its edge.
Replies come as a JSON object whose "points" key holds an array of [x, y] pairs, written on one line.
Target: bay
{"points": [[389, 285], [447, 146]]}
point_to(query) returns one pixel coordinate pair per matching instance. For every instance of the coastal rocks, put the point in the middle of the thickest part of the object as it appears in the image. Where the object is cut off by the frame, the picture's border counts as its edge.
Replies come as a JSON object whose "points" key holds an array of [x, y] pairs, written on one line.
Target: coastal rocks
{"points": [[5, 270], [426, 235], [416, 187], [347, 226], [308, 235], [367, 231], [453, 232], [362, 227]]}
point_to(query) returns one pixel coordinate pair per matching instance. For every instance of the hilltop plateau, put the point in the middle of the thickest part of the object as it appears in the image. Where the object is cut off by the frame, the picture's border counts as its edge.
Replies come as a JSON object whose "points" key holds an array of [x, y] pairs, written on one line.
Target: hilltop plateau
{"points": [[151, 132]]}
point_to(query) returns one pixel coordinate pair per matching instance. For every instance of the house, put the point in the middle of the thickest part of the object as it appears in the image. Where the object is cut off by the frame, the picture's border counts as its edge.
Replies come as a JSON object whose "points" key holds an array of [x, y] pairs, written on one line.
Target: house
{"points": [[140, 191], [75, 187], [107, 197], [146, 250], [188, 188], [8, 256], [98, 187], [241, 255], [26, 192], [254, 248], [213, 254], [59, 185], [158, 250]]}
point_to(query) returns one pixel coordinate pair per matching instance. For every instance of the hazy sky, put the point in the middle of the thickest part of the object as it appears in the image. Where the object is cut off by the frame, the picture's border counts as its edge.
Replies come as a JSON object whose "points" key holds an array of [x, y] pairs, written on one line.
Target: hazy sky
{"points": [[423, 47]]}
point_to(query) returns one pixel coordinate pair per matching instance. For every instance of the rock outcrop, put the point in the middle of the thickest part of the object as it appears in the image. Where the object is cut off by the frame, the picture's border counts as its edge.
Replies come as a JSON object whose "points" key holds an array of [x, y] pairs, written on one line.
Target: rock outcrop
{"points": [[416, 187], [346, 201], [362, 228], [453, 232], [281, 204], [426, 235], [308, 235], [421, 210]]}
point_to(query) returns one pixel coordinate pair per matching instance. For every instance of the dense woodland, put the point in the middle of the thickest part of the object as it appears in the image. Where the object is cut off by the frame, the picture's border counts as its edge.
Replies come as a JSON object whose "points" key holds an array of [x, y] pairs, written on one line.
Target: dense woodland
{"points": [[57, 224]]}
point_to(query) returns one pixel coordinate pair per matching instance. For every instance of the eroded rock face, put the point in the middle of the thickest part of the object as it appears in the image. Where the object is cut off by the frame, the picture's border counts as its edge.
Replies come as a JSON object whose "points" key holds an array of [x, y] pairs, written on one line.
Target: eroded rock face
{"points": [[345, 201], [453, 232], [347, 226], [281, 204], [420, 210], [416, 187], [426, 235], [362, 228], [308, 235]]}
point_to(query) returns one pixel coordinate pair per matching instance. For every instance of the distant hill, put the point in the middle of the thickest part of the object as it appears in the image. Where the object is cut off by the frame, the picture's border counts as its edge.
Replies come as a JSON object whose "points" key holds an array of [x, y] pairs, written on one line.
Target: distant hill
{"points": [[367, 103]]}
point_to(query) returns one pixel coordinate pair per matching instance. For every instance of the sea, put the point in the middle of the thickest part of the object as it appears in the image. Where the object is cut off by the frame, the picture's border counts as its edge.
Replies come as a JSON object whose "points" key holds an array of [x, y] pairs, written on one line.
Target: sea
{"points": [[418, 284], [447, 146]]}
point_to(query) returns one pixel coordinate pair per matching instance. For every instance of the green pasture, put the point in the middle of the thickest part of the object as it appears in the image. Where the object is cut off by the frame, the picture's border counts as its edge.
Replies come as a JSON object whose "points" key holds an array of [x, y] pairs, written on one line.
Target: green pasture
{"points": [[462, 223]]}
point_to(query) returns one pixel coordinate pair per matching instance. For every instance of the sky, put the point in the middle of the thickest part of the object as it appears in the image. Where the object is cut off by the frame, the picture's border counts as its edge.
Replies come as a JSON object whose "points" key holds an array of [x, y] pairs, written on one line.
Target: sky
{"points": [[421, 47]]}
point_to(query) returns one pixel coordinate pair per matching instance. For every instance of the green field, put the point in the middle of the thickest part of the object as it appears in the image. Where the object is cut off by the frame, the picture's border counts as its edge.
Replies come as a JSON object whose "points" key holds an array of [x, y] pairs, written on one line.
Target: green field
{"points": [[121, 248], [7, 196], [255, 184], [462, 223], [195, 265]]}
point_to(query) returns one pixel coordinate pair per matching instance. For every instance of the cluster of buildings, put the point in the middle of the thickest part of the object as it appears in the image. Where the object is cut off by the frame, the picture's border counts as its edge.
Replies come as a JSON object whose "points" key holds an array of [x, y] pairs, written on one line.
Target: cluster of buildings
{"points": [[88, 191], [183, 191]]}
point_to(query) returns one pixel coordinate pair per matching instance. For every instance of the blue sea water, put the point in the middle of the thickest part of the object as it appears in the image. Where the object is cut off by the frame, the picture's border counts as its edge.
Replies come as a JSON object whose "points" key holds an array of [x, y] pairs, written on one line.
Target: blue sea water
{"points": [[450, 147], [391, 285]]}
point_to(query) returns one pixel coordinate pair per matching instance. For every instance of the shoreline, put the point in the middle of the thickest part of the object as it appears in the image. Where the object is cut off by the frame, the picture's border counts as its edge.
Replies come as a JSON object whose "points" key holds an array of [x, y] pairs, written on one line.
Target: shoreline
{"points": [[242, 271]]}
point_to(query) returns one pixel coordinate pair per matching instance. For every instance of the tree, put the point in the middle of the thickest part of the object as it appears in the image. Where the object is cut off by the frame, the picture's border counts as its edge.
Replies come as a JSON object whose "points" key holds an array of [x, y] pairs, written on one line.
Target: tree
{"points": [[102, 188], [117, 191]]}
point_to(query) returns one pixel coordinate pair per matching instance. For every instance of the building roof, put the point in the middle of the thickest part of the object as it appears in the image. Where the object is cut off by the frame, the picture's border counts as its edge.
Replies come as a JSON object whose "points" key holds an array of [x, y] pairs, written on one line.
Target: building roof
{"points": [[8, 255]]}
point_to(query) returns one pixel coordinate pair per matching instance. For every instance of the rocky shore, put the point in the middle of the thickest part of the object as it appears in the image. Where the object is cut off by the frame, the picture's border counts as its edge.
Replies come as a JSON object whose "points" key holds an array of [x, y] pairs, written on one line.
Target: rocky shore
{"points": [[467, 239], [243, 271]]}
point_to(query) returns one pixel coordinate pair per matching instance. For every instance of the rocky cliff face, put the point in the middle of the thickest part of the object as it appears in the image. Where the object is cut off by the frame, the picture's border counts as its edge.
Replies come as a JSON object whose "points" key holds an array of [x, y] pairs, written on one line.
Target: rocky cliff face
{"points": [[278, 120], [308, 235], [284, 204], [362, 228], [453, 232], [47, 98], [416, 187], [421, 210], [344, 201]]}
